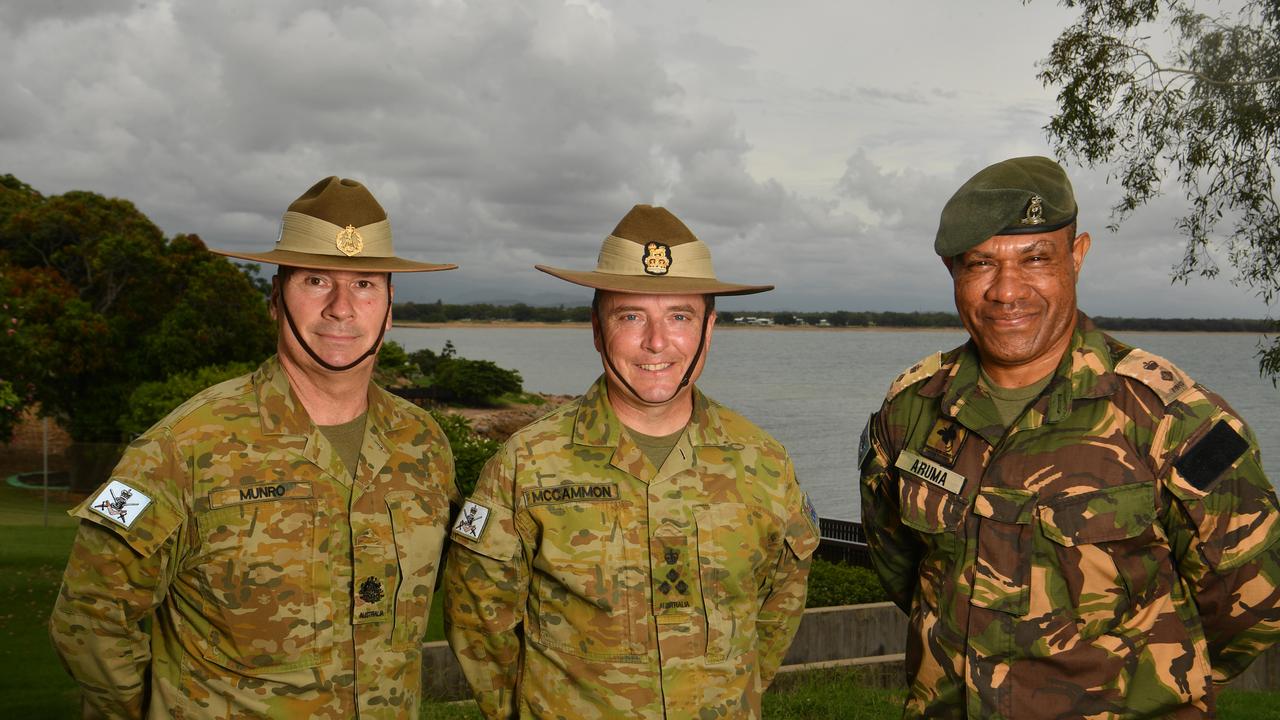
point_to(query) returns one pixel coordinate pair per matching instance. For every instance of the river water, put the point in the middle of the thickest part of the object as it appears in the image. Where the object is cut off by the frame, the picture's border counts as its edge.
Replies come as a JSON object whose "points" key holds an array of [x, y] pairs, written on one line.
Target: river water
{"points": [[813, 390]]}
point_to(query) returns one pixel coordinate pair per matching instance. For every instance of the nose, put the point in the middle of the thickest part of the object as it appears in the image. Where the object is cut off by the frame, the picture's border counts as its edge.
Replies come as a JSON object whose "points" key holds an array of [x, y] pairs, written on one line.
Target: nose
{"points": [[655, 337], [339, 306], [1009, 286]]}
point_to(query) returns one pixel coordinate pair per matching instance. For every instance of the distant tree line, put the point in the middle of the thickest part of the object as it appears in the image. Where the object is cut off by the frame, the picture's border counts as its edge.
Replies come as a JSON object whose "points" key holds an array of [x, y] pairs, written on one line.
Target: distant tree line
{"points": [[440, 312]]}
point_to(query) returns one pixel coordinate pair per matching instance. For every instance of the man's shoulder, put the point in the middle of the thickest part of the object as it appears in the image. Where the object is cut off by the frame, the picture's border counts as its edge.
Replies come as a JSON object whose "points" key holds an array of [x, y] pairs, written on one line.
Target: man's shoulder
{"points": [[554, 425], [737, 428], [216, 403], [917, 372], [400, 410], [1158, 374]]}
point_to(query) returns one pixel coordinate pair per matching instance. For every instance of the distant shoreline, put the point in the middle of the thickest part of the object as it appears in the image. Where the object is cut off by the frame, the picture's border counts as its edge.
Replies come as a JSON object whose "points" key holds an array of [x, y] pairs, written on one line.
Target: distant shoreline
{"points": [[505, 324]]}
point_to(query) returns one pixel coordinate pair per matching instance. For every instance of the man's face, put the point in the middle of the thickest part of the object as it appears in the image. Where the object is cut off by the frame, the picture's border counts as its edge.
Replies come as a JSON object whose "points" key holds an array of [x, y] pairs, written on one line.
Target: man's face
{"points": [[339, 313], [1016, 295], [651, 340]]}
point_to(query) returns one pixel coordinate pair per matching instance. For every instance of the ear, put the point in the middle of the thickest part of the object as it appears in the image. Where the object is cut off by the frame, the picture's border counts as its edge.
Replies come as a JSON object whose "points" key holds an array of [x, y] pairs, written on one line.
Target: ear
{"points": [[597, 332], [1079, 249], [391, 301], [274, 300], [949, 262]]}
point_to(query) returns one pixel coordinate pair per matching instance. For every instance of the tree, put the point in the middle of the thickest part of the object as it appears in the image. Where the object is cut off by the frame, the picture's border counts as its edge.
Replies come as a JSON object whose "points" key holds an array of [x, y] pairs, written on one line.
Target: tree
{"points": [[101, 302], [1206, 114]]}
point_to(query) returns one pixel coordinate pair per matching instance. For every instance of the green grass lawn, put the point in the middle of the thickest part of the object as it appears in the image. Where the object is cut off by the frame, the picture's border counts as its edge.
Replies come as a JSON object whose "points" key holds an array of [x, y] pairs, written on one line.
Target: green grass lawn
{"points": [[32, 558]]}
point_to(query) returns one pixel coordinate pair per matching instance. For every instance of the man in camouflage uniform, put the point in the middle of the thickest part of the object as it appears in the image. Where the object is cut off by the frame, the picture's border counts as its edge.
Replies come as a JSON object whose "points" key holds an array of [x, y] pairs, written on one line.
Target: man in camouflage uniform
{"points": [[642, 551], [269, 548], [1074, 526]]}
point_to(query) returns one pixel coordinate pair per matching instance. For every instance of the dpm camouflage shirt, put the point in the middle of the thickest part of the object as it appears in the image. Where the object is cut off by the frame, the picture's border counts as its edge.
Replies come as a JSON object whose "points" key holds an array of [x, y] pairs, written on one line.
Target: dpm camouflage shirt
{"points": [[1111, 555], [277, 586], [583, 582]]}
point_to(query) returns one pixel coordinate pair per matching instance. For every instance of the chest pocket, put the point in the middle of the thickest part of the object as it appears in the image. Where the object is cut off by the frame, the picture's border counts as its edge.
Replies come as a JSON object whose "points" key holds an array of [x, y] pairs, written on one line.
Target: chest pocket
{"points": [[732, 540], [587, 596], [255, 575], [419, 522], [1106, 554]]}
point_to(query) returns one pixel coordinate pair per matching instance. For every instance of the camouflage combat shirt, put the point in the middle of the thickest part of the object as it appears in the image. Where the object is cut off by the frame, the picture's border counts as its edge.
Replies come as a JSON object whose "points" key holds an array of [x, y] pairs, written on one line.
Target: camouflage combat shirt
{"points": [[275, 584], [583, 582], [1112, 555]]}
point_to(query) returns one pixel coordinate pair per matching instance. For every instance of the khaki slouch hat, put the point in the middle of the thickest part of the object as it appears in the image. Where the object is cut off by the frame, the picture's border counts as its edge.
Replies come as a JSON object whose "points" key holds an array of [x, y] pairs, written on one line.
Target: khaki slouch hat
{"points": [[337, 225], [651, 252]]}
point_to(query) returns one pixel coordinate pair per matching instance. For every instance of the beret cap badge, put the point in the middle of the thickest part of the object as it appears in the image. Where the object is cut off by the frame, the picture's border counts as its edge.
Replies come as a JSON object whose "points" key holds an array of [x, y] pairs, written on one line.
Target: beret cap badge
{"points": [[1035, 212], [349, 241], [657, 258]]}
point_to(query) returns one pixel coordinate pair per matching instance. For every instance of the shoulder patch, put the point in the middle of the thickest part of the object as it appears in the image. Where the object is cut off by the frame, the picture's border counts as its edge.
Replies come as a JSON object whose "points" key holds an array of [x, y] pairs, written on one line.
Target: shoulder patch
{"points": [[1211, 456], [120, 503], [922, 369], [1163, 377], [471, 520]]}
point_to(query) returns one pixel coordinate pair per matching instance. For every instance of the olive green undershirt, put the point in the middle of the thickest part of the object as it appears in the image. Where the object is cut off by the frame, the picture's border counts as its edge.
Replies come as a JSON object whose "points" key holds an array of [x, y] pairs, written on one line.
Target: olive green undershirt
{"points": [[346, 439], [1010, 402], [656, 448]]}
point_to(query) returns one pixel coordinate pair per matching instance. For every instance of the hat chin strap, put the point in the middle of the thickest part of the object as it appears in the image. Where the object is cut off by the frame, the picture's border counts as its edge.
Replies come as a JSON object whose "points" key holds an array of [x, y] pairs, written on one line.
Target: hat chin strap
{"points": [[702, 342], [288, 316]]}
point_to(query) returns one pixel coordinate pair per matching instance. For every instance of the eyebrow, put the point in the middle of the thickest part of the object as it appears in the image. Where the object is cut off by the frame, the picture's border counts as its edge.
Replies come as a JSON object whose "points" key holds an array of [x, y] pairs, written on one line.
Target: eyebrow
{"points": [[674, 308], [1039, 246]]}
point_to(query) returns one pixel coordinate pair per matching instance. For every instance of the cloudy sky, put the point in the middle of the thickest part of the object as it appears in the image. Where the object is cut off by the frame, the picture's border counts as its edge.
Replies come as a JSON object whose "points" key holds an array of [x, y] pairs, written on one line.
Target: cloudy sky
{"points": [[811, 144]]}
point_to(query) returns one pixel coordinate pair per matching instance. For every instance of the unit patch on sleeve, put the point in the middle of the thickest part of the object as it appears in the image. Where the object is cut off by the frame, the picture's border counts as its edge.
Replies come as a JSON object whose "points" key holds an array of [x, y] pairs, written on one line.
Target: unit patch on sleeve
{"points": [[864, 441], [120, 503], [1212, 454], [471, 520]]}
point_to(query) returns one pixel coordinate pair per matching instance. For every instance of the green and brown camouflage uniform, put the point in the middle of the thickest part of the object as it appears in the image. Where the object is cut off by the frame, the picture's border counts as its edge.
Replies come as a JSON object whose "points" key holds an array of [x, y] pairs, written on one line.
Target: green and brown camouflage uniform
{"points": [[276, 585], [583, 582], [1112, 555]]}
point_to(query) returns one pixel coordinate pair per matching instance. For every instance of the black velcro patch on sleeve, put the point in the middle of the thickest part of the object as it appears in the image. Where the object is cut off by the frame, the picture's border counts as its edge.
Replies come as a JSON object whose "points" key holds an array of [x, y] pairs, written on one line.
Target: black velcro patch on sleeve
{"points": [[1214, 453]]}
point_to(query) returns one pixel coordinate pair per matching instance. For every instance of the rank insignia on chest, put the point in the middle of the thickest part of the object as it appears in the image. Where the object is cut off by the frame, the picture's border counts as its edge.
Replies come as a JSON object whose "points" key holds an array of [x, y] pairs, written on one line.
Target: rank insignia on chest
{"points": [[944, 441], [371, 590], [369, 604]]}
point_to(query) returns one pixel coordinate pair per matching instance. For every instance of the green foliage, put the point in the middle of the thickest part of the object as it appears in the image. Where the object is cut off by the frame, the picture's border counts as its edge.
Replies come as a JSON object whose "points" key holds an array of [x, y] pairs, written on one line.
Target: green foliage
{"points": [[393, 363], [470, 451], [99, 302], [832, 584], [151, 401], [475, 381], [425, 360], [1206, 116]]}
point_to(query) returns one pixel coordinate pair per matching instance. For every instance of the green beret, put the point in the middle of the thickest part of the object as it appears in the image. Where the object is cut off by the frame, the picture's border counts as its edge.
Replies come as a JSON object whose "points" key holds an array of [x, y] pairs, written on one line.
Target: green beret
{"points": [[1013, 197]]}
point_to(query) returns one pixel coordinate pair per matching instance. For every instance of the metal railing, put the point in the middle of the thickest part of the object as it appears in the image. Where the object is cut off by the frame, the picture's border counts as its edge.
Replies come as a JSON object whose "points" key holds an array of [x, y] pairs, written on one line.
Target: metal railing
{"points": [[843, 541]]}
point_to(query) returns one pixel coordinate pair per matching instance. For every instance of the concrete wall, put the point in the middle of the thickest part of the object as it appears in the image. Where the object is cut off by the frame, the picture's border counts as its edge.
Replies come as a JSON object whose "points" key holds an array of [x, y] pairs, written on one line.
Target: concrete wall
{"points": [[871, 637]]}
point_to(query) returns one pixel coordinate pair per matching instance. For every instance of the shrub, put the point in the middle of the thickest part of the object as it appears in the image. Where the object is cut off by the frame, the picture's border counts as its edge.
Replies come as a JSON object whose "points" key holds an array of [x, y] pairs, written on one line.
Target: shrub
{"points": [[393, 363], [833, 584], [476, 381], [151, 401], [470, 451]]}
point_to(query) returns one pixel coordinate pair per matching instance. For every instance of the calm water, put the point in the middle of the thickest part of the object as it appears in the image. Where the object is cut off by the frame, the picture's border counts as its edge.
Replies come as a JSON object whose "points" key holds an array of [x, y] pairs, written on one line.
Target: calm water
{"points": [[814, 390]]}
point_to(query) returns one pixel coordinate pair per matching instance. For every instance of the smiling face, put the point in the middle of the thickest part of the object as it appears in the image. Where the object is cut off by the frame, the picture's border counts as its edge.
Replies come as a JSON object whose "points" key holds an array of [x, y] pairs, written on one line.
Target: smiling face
{"points": [[1016, 295], [651, 341], [340, 314]]}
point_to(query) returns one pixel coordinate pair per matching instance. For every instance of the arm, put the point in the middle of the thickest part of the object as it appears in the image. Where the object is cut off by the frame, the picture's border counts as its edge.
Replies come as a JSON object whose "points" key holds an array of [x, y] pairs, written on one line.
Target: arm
{"points": [[115, 578], [783, 606], [1221, 517], [487, 581], [895, 550]]}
